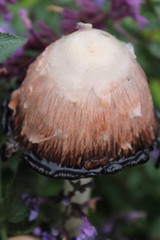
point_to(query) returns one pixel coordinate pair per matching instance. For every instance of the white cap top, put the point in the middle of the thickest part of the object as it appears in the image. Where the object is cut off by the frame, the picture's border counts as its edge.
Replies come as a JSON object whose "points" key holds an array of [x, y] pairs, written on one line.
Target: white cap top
{"points": [[88, 59]]}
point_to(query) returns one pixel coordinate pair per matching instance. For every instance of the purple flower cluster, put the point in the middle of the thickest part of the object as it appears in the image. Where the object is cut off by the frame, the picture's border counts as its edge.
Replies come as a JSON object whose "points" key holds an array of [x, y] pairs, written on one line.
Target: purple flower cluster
{"points": [[34, 204], [112, 227], [93, 12], [45, 235], [45, 229], [4, 9], [125, 8], [87, 231], [89, 11]]}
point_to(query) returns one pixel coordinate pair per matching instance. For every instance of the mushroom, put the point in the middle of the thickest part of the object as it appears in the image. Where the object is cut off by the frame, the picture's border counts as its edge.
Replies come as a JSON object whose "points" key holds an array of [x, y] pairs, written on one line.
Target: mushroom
{"points": [[84, 108]]}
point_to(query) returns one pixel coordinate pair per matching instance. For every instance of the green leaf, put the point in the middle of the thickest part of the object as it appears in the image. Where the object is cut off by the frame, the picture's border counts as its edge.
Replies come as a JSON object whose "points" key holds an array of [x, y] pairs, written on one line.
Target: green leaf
{"points": [[2, 210], [9, 44], [22, 183], [155, 90], [154, 49]]}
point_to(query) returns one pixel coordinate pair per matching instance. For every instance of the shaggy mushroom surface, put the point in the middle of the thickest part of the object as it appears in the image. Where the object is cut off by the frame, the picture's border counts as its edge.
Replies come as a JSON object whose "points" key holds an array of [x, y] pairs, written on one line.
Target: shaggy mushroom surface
{"points": [[84, 103]]}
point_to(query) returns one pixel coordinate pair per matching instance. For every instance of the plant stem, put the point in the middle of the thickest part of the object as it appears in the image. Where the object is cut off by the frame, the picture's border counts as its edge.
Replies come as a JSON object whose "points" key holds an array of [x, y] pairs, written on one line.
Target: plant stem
{"points": [[0, 178], [3, 232]]}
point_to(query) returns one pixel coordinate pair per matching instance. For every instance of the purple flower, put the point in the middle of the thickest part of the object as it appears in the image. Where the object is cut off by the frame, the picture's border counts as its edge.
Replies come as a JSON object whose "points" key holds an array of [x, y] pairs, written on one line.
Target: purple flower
{"points": [[45, 235], [33, 214], [37, 231], [25, 197], [134, 215], [87, 231], [90, 7], [34, 204], [66, 201], [55, 232], [45, 32], [69, 20], [89, 11], [24, 15], [93, 12], [123, 8], [107, 229], [155, 154], [100, 3], [4, 9], [113, 224]]}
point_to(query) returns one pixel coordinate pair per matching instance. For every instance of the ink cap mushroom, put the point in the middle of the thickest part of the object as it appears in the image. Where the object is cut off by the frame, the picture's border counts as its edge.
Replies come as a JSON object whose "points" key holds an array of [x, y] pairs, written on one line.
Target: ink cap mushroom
{"points": [[84, 108]]}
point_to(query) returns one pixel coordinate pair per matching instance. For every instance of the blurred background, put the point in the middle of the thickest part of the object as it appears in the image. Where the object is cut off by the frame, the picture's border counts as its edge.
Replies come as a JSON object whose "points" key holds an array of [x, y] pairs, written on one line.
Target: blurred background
{"points": [[129, 205]]}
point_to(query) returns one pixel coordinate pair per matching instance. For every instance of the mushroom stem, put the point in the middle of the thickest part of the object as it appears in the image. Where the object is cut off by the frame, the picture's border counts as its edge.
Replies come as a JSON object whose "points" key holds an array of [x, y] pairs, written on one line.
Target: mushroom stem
{"points": [[72, 224]]}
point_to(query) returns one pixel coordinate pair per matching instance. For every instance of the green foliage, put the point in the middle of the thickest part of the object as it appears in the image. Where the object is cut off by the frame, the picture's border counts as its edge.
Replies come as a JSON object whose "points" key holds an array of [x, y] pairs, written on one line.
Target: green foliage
{"points": [[154, 49], [16, 209], [136, 188], [155, 90], [9, 44]]}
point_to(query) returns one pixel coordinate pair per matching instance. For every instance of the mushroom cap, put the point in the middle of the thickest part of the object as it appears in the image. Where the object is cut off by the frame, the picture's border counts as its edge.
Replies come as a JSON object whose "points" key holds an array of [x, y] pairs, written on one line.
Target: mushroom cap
{"points": [[84, 103]]}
